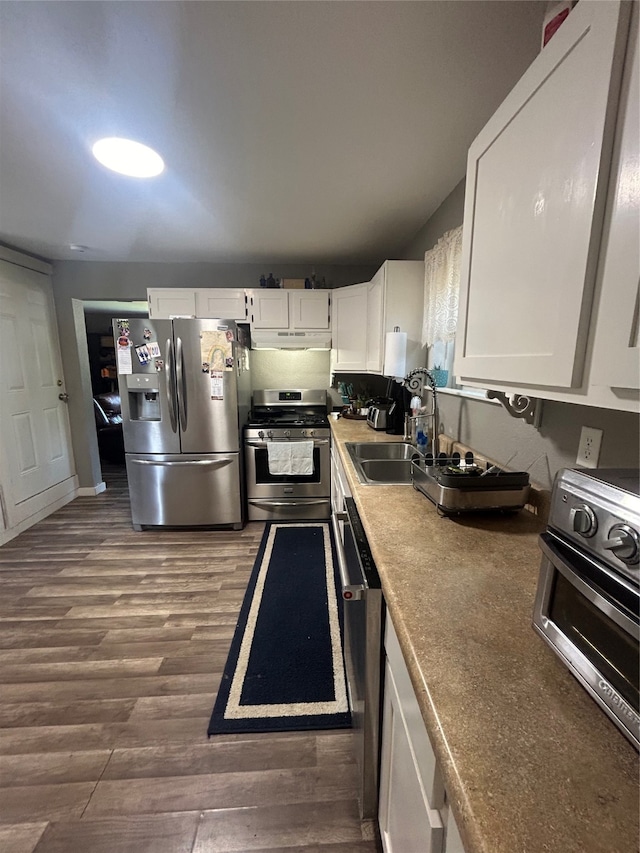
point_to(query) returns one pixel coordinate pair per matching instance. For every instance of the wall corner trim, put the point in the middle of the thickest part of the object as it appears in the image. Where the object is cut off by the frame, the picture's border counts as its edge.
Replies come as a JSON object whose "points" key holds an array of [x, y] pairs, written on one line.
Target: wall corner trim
{"points": [[91, 491]]}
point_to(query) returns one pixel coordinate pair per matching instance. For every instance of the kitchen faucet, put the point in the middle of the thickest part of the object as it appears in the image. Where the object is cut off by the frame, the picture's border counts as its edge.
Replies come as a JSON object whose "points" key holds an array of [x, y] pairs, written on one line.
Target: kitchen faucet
{"points": [[414, 381]]}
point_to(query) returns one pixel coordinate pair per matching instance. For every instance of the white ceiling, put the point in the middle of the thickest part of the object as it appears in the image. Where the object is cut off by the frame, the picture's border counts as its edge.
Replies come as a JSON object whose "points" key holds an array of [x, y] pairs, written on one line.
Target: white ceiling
{"points": [[323, 132]]}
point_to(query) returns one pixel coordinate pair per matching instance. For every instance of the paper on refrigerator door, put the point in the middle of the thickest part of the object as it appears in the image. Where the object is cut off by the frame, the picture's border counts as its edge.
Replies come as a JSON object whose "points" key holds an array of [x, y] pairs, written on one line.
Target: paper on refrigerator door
{"points": [[217, 384], [123, 351], [216, 351]]}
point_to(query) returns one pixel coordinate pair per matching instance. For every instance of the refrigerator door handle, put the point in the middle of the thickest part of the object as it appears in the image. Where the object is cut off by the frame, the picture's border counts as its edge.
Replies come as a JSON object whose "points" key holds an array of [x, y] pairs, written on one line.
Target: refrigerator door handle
{"points": [[182, 385], [170, 388], [203, 463]]}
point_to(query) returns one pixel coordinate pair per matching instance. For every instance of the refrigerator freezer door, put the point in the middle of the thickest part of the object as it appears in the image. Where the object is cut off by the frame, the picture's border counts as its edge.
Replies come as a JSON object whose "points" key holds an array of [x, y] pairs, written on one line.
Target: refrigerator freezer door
{"points": [[185, 489], [206, 380], [147, 394]]}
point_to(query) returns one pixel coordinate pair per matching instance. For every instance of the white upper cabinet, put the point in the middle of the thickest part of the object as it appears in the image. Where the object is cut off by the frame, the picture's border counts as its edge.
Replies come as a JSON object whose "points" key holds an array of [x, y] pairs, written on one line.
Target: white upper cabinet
{"points": [[364, 313], [269, 309], [616, 355], [289, 309], [206, 302], [228, 303], [349, 329], [166, 302], [537, 180], [374, 356], [309, 309]]}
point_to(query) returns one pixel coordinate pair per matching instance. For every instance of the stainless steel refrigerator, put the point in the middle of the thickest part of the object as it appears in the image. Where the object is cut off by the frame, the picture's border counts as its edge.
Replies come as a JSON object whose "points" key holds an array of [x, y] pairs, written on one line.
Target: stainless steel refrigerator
{"points": [[185, 394]]}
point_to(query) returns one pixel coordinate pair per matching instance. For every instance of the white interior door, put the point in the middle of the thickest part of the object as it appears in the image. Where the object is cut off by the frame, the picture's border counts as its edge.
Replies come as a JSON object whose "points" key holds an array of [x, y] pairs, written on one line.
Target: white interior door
{"points": [[34, 423]]}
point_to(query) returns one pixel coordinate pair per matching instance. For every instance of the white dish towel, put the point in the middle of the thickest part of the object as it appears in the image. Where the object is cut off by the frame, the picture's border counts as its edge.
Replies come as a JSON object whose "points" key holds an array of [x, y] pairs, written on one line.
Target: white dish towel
{"points": [[290, 457]]}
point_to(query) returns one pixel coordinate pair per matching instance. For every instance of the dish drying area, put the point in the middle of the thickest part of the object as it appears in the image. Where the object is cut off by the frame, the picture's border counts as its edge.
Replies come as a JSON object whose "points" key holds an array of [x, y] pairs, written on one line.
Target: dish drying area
{"points": [[459, 482]]}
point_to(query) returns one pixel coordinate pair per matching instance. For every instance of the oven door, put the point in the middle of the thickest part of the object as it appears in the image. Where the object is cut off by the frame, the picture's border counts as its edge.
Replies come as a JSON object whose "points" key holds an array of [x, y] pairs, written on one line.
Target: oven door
{"points": [[262, 484], [589, 617]]}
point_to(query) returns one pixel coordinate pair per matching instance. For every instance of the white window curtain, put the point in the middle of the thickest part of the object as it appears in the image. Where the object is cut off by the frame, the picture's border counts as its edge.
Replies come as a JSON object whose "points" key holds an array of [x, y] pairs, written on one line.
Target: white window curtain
{"points": [[441, 286]]}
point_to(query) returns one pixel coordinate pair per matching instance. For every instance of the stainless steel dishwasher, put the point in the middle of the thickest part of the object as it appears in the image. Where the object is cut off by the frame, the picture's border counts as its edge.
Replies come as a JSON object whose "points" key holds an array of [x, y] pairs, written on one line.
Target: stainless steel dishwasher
{"points": [[363, 651]]}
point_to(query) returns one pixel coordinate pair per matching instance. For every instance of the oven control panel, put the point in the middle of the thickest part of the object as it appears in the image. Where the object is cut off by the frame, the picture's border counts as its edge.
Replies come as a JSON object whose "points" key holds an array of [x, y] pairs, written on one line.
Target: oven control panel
{"points": [[601, 520]]}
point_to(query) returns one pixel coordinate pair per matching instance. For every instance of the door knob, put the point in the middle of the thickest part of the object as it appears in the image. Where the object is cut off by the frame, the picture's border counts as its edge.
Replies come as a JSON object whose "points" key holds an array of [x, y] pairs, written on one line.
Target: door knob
{"points": [[64, 397]]}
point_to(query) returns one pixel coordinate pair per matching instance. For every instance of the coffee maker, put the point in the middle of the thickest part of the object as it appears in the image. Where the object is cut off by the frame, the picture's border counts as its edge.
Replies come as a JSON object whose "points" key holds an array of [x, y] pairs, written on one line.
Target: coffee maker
{"points": [[401, 398]]}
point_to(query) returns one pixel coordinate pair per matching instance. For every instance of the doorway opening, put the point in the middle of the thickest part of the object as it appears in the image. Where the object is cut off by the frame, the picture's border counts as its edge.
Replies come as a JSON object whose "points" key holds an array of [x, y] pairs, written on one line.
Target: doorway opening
{"points": [[98, 317]]}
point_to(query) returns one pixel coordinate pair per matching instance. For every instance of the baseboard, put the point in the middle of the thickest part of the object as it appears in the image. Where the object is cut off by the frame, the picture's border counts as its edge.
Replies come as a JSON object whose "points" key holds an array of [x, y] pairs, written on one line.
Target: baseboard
{"points": [[26, 523], [91, 491]]}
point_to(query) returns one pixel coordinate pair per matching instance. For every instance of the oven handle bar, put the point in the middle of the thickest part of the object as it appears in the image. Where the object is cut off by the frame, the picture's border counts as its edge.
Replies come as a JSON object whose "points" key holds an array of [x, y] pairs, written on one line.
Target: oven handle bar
{"points": [[598, 600], [292, 502], [350, 592], [316, 441]]}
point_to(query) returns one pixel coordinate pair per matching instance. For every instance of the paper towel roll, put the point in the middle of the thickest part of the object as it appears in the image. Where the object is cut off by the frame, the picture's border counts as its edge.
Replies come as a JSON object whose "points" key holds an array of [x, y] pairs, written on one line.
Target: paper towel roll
{"points": [[395, 355]]}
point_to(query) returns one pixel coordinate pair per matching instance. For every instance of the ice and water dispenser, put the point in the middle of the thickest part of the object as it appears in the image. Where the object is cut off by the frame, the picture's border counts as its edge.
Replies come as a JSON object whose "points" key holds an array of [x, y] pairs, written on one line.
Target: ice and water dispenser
{"points": [[144, 397]]}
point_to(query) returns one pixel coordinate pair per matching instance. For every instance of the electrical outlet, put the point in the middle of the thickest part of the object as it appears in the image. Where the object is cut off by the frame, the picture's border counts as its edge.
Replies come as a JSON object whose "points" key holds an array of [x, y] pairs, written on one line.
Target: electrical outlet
{"points": [[589, 447]]}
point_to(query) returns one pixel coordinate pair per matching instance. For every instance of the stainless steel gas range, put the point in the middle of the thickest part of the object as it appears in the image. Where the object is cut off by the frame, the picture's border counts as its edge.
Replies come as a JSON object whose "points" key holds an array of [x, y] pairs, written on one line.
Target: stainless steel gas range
{"points": [[287, 455]]}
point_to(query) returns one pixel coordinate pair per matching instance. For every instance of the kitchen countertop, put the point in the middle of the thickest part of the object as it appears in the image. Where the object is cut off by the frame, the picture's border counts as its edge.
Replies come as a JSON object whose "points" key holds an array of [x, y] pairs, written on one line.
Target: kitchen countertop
{"points": [[529, 762]]}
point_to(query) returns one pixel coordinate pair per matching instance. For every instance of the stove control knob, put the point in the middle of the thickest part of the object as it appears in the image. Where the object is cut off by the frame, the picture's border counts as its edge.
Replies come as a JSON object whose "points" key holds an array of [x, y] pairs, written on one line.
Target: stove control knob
{"points": [[583, 520], [270, 433], [303, 432], [312, 432], [623, 543], [287, 433], [260, 435]]}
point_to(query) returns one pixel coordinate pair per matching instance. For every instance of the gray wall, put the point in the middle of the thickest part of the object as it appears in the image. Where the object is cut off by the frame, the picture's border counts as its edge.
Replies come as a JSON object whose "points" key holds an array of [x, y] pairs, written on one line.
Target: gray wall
{"points": [[446, 217], [77, 282], [489, 429]]}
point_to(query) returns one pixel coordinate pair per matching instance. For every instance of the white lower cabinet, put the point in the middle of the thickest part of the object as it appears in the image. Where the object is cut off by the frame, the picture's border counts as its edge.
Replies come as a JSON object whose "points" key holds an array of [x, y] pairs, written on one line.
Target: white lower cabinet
{"points": [[339, 483], [413, 814]]}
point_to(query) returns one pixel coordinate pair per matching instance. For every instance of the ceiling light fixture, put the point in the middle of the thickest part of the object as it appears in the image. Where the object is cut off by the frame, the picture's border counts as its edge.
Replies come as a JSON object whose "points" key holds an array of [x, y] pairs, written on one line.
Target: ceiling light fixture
{"points": [[128, 157]]}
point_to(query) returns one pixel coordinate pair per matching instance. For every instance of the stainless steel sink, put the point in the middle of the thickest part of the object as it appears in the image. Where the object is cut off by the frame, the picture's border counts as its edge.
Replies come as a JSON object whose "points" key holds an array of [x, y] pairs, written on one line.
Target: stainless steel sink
{"points": [[382, 464], [379, 450]]}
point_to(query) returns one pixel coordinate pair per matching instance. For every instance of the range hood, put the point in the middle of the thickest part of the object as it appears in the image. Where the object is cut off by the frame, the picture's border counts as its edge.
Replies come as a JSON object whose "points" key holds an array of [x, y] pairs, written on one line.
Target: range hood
{"points": [[274, 339]]}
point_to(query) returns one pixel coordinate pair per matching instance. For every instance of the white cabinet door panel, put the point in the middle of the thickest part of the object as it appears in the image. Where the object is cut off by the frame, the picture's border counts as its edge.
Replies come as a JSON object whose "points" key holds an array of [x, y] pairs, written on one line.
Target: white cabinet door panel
{"points": [[270, 309], [220, 302], [166, 302], [616, 358], [309, 309], [536, 181], [375, 321], [349, 328], [407, 823]]}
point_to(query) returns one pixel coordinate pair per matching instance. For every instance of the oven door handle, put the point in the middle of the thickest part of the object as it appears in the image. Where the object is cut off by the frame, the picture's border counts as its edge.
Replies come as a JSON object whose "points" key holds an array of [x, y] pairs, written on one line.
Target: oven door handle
{"points": [[350, 592], [316, 441], [293, 502], [603, 604]]}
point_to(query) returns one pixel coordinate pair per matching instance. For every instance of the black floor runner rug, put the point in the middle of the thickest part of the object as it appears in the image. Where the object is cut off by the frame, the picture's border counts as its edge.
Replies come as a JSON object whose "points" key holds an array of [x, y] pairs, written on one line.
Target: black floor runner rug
{"points": [[285, 669]]}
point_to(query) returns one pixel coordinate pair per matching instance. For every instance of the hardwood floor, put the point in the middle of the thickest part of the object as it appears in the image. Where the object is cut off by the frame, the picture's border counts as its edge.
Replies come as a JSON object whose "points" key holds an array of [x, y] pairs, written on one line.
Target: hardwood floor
{"points": [[112, 645]]}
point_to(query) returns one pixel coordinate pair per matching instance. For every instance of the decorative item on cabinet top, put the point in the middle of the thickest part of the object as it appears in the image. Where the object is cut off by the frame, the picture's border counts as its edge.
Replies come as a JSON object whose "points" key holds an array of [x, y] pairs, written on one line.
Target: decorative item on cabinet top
{"points": [[309, 283]]}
